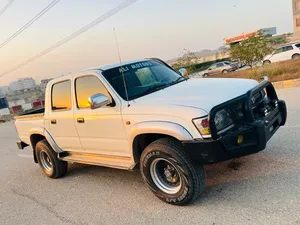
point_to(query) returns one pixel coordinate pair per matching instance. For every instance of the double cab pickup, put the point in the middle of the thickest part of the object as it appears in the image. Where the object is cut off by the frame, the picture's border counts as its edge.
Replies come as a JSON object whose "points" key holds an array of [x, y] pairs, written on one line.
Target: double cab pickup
{"points": [[143, 114]]}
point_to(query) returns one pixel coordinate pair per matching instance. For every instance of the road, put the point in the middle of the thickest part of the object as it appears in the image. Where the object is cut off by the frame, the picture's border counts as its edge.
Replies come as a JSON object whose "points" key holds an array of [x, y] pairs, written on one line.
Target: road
{"points": [[257, 189]]}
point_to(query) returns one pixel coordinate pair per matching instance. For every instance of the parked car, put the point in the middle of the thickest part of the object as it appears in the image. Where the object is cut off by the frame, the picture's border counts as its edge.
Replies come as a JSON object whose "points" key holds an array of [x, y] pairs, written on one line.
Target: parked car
{"points": [[287, 52], [220, 67], [143, 113]]}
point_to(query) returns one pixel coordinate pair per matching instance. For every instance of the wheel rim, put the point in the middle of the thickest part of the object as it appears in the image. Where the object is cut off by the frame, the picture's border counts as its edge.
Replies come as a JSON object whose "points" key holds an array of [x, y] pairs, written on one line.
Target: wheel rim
{"points": [[165, 176], [225, 71], [46, 161]]}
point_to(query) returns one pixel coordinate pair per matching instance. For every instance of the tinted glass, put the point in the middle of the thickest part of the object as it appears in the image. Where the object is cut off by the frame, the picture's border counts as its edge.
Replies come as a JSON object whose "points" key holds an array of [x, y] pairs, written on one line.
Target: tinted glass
{"points": [[86, 87], [297, 45], [288, 48], [279, 50], [141, 78], [227, 63], [61, 96], [220, 65]]}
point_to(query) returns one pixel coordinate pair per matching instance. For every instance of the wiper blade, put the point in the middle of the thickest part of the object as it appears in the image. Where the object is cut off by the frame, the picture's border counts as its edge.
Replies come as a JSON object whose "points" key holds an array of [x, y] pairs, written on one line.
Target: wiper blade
{"points": [[178, 79]]}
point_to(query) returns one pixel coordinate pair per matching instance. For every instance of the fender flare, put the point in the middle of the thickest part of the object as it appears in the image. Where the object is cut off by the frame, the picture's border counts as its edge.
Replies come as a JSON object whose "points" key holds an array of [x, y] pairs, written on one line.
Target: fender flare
{"points": [[158, 127], [43, 132]]}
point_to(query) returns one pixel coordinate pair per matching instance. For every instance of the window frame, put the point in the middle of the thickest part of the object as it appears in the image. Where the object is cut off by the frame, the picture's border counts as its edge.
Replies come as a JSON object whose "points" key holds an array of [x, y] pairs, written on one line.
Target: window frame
{"points": [[113, 103], [61, 110]]}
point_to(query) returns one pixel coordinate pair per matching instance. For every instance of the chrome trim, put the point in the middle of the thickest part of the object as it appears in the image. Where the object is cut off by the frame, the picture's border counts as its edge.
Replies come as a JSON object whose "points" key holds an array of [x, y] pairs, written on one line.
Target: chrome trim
{"points": [[226, 129]]}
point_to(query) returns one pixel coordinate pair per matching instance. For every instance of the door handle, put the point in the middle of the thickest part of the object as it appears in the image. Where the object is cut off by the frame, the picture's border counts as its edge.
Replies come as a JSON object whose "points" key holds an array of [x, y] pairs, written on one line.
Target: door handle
{"points": [[53, 121], [80, 120]]}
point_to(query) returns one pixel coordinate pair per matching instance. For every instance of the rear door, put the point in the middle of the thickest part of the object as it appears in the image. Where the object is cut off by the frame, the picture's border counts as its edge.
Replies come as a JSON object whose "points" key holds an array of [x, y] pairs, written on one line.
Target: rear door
{"points": [[60, 117], [212, 69], [220, 67], [277, 55]]}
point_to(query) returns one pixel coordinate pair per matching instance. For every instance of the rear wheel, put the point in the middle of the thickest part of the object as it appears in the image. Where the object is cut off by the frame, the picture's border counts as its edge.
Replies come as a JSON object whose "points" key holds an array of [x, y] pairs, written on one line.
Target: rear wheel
{"points": [[170, 173], [266, 62], [205, 75], [48, 161]]}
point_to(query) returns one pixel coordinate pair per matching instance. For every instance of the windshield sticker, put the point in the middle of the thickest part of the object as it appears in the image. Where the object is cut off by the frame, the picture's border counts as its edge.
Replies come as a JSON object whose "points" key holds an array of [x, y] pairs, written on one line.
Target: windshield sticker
{"points": [[124, 69]]}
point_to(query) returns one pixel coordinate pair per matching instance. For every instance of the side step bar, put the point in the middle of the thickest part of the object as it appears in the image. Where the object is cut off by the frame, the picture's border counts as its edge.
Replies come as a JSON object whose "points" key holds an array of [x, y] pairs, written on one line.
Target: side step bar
{"points": [[124, 163]]}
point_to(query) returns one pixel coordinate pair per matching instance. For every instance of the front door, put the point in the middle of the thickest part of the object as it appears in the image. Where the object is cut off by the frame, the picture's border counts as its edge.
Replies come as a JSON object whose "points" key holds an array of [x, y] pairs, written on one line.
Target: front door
{"points": [[60, 118], [101, 130]]}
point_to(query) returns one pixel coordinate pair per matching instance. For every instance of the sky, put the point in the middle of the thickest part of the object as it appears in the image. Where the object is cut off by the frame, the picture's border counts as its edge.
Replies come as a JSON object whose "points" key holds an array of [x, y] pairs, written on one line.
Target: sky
{"points": [[148, 28]]}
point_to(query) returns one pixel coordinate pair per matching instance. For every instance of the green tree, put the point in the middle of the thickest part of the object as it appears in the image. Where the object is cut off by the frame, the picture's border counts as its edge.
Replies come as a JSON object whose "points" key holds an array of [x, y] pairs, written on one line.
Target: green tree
{"points": [[251, 51], [187, 59]]}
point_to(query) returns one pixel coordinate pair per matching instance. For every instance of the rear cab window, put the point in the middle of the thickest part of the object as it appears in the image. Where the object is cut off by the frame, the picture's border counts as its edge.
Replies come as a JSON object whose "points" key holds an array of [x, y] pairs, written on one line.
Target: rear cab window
{"points": [[61, 96]]}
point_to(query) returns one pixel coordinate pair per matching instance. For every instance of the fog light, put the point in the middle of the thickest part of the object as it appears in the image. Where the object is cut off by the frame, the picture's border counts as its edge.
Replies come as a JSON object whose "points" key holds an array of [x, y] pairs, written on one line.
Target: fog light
{"points": [[240, 139]]}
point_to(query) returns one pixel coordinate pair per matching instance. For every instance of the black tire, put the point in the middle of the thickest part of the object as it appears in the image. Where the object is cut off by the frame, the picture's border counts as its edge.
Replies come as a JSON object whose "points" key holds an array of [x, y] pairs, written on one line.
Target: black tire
{"points": [[266, 62], [296, 56], [205, 75], [191, 177], [225, 71], [48, 161]]}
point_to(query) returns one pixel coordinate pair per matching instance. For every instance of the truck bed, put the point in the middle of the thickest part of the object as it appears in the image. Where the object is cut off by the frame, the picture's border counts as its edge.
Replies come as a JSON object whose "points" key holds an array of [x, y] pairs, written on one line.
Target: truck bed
{"points": [[25, 122], [32, 114]]}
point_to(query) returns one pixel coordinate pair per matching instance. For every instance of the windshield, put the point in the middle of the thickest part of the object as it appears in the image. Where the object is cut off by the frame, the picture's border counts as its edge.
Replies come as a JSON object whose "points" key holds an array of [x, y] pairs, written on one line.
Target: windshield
{"points": [[141, 78]]}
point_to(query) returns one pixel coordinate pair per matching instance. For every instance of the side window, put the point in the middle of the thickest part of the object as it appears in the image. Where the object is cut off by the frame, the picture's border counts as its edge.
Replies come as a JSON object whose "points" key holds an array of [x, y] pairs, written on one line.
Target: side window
{"points": [[288, 48], [219, 65], [61, 96], [87, 86], [214, 66], [297, 45], [277, 51]]}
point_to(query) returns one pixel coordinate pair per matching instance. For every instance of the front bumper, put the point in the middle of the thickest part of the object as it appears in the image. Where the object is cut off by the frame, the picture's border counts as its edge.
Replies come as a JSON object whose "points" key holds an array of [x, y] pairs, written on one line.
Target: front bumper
{"points": [[255, 133]]}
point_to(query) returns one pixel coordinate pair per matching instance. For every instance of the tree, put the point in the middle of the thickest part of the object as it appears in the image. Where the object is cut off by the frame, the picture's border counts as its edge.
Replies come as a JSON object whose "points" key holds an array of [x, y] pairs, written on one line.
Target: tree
{"points": [[252, 50], [187, 59]]}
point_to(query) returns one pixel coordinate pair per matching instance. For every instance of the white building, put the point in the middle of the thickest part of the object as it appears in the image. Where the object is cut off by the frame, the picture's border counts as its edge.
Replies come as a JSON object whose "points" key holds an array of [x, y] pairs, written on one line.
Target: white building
{"points": [[4, 91], [21, 84]]}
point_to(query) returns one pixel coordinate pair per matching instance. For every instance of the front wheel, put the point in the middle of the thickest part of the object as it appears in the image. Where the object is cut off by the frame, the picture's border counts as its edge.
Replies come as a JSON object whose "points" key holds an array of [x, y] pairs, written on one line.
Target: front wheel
{"points": [[205, 75], [296, 56], [266, 62], [47, 158], [170, 173]]}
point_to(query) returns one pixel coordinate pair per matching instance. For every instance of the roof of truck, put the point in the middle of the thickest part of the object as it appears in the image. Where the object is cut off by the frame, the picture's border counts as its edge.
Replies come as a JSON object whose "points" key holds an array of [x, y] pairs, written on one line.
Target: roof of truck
{"points": [[110, 66]]}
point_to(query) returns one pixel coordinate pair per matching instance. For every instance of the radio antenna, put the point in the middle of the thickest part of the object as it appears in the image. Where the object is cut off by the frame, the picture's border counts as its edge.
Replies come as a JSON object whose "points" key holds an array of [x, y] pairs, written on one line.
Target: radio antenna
{"points": [[122, 70]]}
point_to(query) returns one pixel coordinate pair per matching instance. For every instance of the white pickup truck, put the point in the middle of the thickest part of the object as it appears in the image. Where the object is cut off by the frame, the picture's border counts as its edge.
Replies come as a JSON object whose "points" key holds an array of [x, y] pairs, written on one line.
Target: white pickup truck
{"points": [[145, 113]]}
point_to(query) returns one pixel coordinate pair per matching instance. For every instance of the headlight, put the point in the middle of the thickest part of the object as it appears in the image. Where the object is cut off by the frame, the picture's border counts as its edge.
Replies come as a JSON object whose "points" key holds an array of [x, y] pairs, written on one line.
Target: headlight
{"points": [[223, 121], [202, 125]]}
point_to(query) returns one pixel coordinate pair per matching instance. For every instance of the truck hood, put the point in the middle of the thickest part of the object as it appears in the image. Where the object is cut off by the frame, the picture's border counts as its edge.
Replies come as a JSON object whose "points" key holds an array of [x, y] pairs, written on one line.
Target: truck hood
{"points": [[199, 93]]}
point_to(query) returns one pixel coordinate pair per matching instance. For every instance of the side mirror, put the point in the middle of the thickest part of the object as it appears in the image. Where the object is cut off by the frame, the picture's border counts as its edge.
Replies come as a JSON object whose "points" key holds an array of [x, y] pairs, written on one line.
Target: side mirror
{"points": [[98, 101], [183, 72], [209, 68]]}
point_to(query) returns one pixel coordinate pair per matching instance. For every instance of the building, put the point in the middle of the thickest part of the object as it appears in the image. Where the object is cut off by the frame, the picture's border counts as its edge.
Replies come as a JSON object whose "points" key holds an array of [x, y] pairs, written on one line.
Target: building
{"points": [[43, 84], [296, 15], [244, 36], [22, 84], [4, 91]]}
